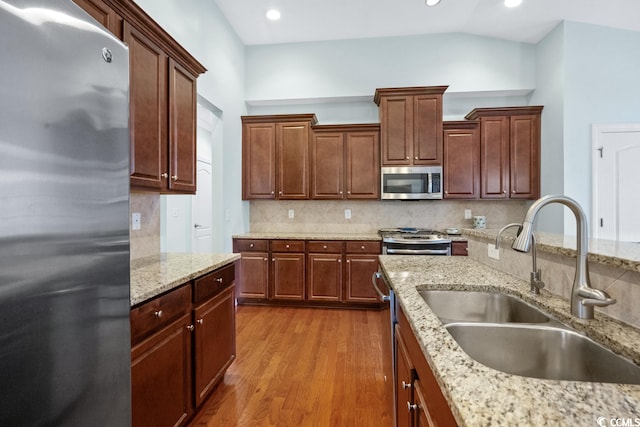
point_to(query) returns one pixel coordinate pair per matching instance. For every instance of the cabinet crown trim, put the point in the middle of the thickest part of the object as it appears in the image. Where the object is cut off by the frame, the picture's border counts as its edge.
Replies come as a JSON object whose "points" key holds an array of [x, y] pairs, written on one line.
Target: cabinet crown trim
{"points": [[372, 127], [503, 111], [408, 91], [280, 118]]}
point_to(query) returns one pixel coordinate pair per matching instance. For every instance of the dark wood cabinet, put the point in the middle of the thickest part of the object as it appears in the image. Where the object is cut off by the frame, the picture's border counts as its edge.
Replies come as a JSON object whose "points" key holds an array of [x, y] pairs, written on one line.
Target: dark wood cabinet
{"points": [[324, 275], [215, 341], [288, 270], [345, 162], [310, 272], [459, 248], [104, 14], [162, 98], [509, 152], [461, 166], [275, 156], [410, 125], [419, 400], [182, 343], [252, 269]]}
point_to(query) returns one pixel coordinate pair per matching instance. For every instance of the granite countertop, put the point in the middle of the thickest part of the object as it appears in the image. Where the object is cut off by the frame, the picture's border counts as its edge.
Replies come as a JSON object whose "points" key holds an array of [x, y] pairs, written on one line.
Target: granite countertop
{"points": [[157, 274], [609, 252], [481, 396], [309, 236]]}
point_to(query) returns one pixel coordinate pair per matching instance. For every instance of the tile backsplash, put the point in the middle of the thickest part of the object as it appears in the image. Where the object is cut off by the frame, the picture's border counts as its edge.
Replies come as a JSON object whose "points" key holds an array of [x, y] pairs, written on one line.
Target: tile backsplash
{"points": [[370, 216]]}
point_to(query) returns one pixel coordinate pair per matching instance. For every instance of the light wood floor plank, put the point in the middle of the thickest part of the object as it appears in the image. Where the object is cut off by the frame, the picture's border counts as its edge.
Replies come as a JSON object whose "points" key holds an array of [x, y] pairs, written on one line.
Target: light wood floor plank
{"points": [[303, 367]]}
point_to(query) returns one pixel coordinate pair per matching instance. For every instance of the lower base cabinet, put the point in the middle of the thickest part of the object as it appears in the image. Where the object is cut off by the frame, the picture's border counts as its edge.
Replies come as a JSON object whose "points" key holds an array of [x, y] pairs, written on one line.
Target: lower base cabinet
{"points": [[419, 400], [182, 343]]}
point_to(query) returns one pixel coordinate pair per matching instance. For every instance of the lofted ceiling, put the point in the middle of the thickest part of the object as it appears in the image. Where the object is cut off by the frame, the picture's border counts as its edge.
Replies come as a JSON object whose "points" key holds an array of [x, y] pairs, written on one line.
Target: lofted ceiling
{"points": [[313, 20]]}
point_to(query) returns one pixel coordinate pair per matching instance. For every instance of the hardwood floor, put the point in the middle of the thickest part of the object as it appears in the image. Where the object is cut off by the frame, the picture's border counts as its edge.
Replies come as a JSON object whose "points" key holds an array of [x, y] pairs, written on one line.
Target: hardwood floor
{"points": [[303, 367]]}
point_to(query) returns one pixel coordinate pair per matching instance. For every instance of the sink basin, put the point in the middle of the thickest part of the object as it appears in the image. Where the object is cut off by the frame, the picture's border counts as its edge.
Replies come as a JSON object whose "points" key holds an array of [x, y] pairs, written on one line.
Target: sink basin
{"points": [[544, 352], [471, 306]]}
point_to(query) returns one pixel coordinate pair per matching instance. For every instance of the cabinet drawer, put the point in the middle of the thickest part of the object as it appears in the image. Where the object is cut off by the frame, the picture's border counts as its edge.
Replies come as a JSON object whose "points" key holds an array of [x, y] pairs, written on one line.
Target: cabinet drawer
{"points": [[287, 245], [160, 311], [363, 247], [213, 283], [252, 245], [322, 246]]}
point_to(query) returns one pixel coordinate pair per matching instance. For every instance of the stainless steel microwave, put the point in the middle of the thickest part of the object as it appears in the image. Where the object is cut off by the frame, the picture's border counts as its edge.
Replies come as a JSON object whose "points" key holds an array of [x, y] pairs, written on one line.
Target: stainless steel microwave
{"points": [[411, 183]]}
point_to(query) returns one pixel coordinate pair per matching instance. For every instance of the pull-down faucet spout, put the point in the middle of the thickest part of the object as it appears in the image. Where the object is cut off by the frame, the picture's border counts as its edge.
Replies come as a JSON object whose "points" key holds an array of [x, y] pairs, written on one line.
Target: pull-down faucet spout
{"points": [[583, 296]]}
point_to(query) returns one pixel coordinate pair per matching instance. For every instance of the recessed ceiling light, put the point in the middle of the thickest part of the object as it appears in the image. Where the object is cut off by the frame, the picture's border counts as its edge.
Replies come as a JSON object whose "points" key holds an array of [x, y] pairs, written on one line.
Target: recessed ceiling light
{"points": [[512, 3], [431, 2], [273, 15]]}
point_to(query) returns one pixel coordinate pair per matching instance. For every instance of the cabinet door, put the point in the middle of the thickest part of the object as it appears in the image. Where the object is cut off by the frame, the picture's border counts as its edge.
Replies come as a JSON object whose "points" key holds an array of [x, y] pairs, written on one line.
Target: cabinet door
{"points": [[259, 161], [253, 275], [215, 343], [104, 14], [524, 164], [461, 167], [325, 277], [161, 381], [360, 268], [182, 129], [147, 110], [459, 248], [327, 165], [494, 157], [363, 165], [396, 130], [288, 276], [404, 381], [422, 417], [427, 130], [292, 153]]}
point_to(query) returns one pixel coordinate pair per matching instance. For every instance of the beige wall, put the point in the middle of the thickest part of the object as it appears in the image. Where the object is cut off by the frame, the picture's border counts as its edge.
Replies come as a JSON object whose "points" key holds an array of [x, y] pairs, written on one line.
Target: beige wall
{"points": [[370, 216]]}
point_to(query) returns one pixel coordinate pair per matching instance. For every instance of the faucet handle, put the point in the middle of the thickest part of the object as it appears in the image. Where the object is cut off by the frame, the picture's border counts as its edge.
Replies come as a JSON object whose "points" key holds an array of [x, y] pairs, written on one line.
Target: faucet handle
{"points": [[595, 297], [536, 282]]}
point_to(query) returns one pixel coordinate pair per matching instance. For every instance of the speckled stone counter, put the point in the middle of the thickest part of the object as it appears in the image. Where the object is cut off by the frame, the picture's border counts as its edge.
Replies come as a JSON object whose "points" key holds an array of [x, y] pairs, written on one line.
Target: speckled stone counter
{"points": [[609, 252], [154, 275], [309, 236], [481, 396]]}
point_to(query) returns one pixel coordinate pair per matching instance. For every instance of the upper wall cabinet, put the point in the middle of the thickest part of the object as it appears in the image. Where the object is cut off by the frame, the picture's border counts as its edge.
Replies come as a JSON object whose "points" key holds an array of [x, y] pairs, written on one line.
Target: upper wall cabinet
{"points": [[411, 125], [509, 152], [461, 168], [275, 156], [162, 94], [345, 162]]}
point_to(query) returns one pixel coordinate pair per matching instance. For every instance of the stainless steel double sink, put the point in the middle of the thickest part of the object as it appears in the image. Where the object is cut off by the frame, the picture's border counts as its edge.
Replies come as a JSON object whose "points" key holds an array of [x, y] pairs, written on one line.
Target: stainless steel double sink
{"points": [[507, 334]]}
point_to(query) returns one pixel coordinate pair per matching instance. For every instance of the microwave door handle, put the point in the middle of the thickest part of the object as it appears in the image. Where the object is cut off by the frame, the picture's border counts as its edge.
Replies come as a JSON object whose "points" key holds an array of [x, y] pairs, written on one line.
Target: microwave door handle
{"points": [[429, 183]]}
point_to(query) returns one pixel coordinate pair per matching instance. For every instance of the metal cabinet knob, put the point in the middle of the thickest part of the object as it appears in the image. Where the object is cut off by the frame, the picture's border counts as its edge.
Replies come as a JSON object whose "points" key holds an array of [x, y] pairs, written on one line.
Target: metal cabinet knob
{"points": [[158, 313], [513, 191], [406, 385], [407, 158], [411, 407], [348, 192], [174, 177], [362, 247], [287, 246], [265, 259], [324, 246], [504, 191], [191, 328], [280, 193], [200, 321], [272, 193], [416, 158], [251, 245], [219, 280], [165, 175], [340, 191]]}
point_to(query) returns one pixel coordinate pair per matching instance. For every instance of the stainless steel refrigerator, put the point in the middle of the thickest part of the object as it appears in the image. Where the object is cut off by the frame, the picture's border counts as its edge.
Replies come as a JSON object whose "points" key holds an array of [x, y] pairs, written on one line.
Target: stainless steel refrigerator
{"points": [[64, 208]]}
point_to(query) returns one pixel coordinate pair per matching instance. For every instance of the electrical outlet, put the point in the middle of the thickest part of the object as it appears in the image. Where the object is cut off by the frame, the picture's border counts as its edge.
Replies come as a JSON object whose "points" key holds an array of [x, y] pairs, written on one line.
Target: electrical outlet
{"points": [[291, 214], [135, 221], [347, 214], [467, 214], [492, 252]]}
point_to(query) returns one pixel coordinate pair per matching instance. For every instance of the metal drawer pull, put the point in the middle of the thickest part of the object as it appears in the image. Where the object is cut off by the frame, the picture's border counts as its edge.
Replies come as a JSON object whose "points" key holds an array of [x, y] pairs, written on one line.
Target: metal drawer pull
{"points": [[200, 321], [411, 407], [405, 385], [158, 313], [219, 280], [191, 328]]}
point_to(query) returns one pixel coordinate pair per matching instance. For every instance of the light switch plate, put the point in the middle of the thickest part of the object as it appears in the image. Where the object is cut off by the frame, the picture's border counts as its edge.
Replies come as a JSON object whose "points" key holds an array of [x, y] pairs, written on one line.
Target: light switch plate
{"points": [[291, 214], [347, 214], [467, 214], [135, 221], [492, 252]]}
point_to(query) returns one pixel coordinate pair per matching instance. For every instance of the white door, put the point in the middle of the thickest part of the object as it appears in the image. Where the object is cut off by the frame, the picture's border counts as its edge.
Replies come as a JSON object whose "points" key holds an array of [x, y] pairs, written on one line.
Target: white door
{"points": [[202, 210], [616, 182]]}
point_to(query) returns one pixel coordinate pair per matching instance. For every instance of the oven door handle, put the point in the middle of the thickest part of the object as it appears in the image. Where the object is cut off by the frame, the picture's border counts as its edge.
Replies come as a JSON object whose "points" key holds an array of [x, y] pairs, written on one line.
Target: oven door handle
{"points": [[418, 251], [374, 279]]}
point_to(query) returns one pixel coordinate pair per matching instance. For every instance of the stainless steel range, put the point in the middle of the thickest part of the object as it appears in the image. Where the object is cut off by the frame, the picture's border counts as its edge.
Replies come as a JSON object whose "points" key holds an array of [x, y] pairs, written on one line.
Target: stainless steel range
{"points": [[414, 241]]}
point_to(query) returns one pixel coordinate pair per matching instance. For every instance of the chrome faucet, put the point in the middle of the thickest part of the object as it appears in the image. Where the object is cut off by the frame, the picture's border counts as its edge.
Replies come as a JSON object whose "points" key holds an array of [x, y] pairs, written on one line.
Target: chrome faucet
{"points": [[583, 296], [535, 277]]}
